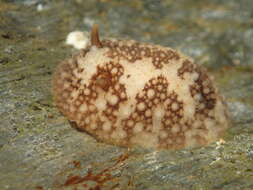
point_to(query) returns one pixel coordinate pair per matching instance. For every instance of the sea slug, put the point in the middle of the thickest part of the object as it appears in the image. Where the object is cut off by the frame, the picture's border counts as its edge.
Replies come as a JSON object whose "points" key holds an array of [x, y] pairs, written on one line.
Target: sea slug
{"points": [[129, 93]]}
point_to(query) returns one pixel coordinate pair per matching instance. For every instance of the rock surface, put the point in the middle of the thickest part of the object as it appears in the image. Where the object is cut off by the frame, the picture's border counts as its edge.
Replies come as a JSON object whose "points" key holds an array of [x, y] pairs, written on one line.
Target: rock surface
{"points": [[39, 149]]}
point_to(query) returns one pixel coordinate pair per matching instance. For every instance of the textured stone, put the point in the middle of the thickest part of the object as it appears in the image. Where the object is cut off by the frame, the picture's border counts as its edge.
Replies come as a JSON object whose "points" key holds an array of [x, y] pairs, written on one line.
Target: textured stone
{"points": [[39, 149]]}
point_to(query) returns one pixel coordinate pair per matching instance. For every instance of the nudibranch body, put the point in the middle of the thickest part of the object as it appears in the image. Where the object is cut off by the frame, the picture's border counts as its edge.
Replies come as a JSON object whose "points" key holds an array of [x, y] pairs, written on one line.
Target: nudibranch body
{"points": [[130, 93]]}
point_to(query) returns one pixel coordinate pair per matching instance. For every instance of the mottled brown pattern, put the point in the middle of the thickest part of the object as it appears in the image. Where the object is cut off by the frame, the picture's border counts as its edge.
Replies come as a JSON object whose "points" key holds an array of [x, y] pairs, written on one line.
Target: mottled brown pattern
{"points": [[187, 67], [149, 102], [203, 86], [133, 51]]}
